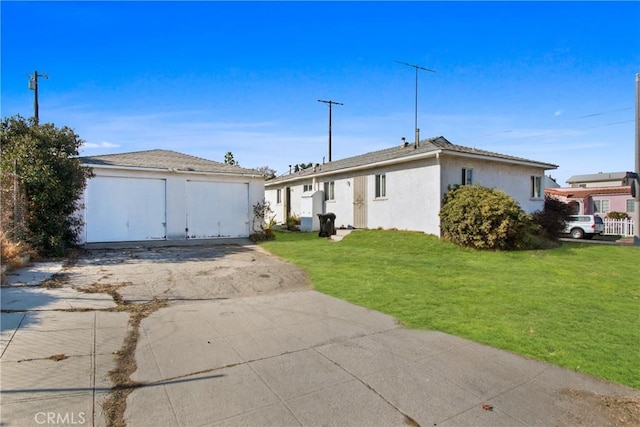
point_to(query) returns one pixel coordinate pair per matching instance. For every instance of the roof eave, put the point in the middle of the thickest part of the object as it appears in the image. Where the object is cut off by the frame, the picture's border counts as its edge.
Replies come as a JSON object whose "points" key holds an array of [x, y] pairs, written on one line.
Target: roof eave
{"points": [[522, 162], [357, 168], [171, 170]]}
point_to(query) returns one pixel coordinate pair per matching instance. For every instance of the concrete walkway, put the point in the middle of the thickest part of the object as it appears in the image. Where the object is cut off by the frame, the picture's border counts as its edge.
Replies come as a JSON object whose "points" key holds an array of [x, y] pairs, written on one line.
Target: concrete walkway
{"points": [[282, 359]]}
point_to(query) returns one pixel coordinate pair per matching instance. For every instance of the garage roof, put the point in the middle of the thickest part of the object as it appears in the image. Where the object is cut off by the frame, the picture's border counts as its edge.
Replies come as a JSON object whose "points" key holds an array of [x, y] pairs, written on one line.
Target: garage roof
{"points": [[165, 160]]}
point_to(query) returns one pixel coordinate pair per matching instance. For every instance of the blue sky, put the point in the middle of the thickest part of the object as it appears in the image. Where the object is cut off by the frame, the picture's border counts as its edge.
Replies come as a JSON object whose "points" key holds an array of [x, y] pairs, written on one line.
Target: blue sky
{"points": [[548, 81]]}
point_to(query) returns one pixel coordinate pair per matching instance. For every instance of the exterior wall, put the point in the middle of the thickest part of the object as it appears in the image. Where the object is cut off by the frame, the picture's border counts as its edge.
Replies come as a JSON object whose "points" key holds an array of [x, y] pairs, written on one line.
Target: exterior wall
{"points": [[280, 209], [617, 203], [604, 183], [176, 193], [414, 191], [515, 180], [412, 200]]}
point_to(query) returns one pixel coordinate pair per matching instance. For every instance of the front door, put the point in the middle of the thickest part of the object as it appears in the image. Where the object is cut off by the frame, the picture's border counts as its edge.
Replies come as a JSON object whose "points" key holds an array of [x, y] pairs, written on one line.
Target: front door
{"points": [[360, 202]]}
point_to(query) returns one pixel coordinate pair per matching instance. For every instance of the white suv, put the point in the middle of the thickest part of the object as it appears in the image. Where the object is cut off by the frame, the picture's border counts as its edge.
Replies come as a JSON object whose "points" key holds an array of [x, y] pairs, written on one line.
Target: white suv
{"points": [[584, 226]]}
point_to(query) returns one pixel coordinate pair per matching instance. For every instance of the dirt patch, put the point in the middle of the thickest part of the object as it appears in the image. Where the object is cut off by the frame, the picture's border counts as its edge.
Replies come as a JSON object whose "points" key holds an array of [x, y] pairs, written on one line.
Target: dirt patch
{"points": [[57, 281], [598, 410], [109, 289]]}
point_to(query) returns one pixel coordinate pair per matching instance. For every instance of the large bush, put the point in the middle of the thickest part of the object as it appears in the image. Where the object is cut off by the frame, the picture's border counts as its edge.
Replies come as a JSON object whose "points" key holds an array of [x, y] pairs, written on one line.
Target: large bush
{"points": [[483, 218], [45, 160], [553, 218]]}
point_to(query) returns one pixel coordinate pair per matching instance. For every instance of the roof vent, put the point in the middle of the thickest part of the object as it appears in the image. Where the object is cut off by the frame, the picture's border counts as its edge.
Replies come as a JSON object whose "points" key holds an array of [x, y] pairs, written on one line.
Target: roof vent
{"points": [[404, 142]]}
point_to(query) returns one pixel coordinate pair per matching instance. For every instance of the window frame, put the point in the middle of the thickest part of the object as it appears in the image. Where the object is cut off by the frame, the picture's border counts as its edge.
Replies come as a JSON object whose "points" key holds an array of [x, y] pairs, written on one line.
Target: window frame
{"points": [[630, 204], [536, 191], [467, 176], [381, 186], [279, 196], [329, 190], [599, 209]]}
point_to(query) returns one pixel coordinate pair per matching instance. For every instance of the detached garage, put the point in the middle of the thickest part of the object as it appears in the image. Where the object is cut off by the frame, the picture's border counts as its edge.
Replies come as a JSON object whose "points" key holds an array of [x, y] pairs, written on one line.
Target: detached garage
{"points": [[165, 195]]}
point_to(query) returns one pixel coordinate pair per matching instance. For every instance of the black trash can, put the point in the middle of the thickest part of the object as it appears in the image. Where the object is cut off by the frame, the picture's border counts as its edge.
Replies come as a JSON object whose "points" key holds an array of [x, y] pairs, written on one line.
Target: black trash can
{"points": [[327, 224]]}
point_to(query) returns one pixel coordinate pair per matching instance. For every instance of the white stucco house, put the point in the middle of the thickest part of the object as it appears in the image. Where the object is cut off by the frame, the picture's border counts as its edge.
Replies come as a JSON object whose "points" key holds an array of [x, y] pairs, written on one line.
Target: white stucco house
{"points": [[166, 195], [401, 187]]}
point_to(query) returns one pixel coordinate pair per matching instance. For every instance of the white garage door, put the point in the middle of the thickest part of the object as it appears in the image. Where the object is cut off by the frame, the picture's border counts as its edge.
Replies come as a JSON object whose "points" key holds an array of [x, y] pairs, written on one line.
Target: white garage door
{"points": [[217, 209], [125, 209]]}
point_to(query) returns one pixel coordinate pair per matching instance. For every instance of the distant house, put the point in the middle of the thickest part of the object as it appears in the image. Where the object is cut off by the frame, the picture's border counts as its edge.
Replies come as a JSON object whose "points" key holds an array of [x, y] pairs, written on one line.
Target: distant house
{"points": [[401, 187], [598, 193], [165, 195], [608, 179]]}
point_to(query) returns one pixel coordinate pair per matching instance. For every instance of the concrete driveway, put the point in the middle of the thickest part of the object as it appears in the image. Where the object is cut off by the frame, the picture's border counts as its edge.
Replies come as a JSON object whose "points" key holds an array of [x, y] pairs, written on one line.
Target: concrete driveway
{"points": [[231, 335]]}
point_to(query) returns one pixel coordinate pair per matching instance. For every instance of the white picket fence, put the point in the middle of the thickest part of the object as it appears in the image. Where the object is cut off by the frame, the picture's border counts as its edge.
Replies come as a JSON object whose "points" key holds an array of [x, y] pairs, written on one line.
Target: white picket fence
{"points": [[618, 227]]}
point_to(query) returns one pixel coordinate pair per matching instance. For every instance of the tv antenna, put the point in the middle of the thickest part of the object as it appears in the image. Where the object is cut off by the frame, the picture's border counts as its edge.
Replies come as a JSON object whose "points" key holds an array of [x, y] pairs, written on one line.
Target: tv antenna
{"points": [[330, 102], [33, 85], [417, 67]]}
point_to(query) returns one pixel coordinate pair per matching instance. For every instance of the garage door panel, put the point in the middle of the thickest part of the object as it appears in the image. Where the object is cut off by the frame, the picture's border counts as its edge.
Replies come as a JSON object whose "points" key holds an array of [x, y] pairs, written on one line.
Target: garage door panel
{"points": [[217, 209], [125, 209]]}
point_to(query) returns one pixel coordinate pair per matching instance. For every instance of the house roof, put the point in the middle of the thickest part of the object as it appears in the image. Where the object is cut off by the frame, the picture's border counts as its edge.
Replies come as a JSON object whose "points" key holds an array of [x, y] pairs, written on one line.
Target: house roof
{"points": [[408, 152], [165, 160], [582, 192], [597, 177]]}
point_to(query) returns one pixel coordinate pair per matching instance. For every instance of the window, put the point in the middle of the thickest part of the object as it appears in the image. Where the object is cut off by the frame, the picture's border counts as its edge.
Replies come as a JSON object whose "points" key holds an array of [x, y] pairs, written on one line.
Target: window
{"points": [[601, 206], [467, 176], [381, 186], [306, 187], [536, 187], [278, 196], [631, 205], [329, 188]]}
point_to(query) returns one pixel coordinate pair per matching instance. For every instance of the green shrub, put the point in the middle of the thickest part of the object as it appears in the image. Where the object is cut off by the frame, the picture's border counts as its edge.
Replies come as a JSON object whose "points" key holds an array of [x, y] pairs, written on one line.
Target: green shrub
{"points": [[45, 158], [553, 218], [617, 215], [484, 218]]}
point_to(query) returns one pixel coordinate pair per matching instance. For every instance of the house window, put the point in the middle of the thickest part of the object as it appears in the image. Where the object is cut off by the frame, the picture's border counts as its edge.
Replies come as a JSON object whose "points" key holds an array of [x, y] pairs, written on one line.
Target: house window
{"points": [[329, 188], [278, 196], [381, 185], [467, 176], [631, 205], [601, 206], [307, 187], [536, 187]]}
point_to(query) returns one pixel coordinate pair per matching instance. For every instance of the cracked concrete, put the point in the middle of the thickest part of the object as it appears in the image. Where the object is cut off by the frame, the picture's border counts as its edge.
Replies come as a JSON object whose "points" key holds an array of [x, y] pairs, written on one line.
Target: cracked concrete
{"points": [[244, 341]]}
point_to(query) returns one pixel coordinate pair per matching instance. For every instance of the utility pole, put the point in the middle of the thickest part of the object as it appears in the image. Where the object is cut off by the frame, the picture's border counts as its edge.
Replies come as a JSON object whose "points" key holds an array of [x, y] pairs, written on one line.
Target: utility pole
{"points": [[33, 85], [330, 102], [417, 67]]}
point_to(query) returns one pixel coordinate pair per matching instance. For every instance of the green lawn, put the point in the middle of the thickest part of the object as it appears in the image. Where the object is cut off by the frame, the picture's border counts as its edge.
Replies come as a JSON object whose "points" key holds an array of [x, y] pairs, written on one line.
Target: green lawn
{"points": [[577, 306]]}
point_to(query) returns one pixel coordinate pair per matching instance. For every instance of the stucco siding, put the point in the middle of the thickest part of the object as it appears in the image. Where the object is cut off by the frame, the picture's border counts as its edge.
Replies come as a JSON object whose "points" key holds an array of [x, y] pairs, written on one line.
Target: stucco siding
{"points": [[515, 180], [412, 200]]}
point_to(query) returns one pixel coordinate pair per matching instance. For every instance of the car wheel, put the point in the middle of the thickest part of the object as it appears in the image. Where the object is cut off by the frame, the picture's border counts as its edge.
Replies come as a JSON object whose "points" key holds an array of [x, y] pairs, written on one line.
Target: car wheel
{"points": [[577, 233]]}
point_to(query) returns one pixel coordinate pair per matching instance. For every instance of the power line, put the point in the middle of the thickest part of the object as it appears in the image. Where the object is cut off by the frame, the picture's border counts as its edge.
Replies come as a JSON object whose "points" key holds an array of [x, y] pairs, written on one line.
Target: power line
{"points": [[557, 132]]}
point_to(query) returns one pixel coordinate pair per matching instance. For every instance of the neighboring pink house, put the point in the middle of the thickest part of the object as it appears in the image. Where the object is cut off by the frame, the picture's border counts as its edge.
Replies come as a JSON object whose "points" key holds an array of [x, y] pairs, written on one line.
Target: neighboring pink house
{"points": [[599, 194], [595, 200]]}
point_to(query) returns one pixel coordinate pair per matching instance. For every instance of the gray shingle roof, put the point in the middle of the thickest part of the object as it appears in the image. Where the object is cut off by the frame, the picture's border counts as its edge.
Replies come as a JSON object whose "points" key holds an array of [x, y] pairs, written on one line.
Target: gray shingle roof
{"points": [[596, 177], [164, 159], [399, 152]]}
